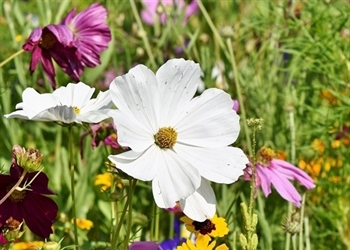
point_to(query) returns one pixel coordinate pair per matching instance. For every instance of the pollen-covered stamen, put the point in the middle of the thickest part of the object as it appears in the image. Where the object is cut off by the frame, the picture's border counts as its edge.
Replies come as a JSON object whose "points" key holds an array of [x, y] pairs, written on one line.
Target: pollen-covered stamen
{"points": [[205, 227], [76, 110], [166, 137], [47, 40], [265, 156], [16, 195]]}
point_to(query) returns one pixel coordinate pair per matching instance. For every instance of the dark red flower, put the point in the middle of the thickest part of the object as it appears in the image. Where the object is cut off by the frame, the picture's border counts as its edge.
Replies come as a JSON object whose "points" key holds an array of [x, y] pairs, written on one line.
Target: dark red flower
{"points": [[30, 204]]}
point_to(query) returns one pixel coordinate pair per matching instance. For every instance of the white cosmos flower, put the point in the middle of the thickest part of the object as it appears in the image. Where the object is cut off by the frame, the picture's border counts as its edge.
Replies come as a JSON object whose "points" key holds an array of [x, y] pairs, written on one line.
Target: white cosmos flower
{"points": [[177, 140], [66, 104]]}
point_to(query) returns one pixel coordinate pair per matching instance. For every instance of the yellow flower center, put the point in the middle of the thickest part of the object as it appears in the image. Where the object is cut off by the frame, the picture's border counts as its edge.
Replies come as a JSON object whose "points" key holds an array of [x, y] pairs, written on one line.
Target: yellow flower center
{"points": [[265, 156], [166, 137], [16, 195], [76, 110], [47, 40]]}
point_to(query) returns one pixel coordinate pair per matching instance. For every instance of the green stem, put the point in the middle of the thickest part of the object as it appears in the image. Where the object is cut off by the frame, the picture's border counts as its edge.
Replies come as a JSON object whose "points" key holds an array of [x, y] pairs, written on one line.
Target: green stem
{"points": [[292, 142], [301, 238], [239, 95], [11, 57], [157, 219], [132, 184], [114, 241], [72, 184], [14, 187], [143, 34]]}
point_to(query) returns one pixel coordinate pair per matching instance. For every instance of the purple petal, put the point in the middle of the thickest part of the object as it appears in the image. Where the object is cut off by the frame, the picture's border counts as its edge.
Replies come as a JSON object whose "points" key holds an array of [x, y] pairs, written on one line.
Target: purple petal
{"points": [[48, 68], [191, 9], [285, 188], [144, 245], [92, 33], [33, 40], [68, 17], [62, 33], [293, 173], [264, 176]]}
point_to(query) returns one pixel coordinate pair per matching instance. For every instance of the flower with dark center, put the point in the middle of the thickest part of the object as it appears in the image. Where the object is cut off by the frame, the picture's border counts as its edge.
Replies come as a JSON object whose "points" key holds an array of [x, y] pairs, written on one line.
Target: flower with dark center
{"points": [[54, 42], [28, 202]]}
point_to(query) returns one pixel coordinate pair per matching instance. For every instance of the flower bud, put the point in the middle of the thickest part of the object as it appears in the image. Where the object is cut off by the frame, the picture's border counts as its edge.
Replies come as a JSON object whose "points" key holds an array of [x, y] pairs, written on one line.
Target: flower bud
{"points": [[291, 226], [29, 159], [12, 229], [51, 245], [243, 241]]}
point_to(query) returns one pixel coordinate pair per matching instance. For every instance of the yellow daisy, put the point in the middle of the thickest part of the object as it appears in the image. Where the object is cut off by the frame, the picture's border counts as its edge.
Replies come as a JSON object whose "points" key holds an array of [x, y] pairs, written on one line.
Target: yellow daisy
{"points": [[215, 227], [202, 243], [84, 224], [105, 180], [34, 245]]}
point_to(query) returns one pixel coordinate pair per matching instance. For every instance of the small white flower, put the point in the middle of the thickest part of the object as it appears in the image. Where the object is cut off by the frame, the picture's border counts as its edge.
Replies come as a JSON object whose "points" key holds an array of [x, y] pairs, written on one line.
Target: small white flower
{"points": [[66, 104], [176, 140]]}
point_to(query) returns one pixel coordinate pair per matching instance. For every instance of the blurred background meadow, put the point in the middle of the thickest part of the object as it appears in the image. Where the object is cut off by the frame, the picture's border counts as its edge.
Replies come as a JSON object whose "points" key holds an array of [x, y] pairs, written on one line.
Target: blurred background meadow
{"points": [[287, 62]]}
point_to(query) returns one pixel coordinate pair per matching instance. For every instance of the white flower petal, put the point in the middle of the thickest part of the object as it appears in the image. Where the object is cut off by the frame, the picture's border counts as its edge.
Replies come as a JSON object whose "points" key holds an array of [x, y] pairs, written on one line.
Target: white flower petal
{"points": [[101, 102], [221, 165], [175, 179], [209, 121], [178, 81], [137, 93], [74, 94], [201, 205], [94, 116], [35, 103], [142, 166], [17, 114], [130, 132]]}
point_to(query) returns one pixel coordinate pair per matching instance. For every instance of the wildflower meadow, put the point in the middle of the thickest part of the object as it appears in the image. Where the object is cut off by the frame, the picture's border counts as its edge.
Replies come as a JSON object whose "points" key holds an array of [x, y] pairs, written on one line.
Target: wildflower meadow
{"points": [[175, 124]]}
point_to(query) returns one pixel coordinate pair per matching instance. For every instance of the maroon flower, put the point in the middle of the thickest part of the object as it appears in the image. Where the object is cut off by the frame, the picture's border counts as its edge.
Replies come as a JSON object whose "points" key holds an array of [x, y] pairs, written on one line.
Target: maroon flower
{"points": [[29, 204], [57, 42], [91, 32]]}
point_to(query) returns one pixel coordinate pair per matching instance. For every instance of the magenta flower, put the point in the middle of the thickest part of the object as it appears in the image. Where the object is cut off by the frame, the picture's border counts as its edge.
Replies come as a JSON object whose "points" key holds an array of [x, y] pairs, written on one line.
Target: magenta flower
{"points": [[91, 32], [54, 42], [74, 44], [149, 14], [29, 204], [271, 171], [235, 106], [144, 245]]}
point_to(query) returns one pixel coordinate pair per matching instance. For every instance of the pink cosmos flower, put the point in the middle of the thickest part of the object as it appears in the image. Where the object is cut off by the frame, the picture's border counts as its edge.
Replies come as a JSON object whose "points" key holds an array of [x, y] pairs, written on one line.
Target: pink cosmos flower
{"points": [[54, 42], [149, 14], [91, 32], [271, 171]]}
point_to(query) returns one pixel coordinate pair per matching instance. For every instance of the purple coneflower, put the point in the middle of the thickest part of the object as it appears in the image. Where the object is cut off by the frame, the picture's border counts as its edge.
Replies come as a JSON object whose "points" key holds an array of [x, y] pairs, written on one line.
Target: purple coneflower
{"points": [[276, 172]]}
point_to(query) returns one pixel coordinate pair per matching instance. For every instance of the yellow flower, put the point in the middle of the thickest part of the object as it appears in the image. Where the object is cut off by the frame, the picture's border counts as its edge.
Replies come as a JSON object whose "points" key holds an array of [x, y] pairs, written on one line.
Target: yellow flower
{"points": [[18, 38], [105, 180], [35, 245], [84, 224], [202, 243], [318, 146], [215, 227]]}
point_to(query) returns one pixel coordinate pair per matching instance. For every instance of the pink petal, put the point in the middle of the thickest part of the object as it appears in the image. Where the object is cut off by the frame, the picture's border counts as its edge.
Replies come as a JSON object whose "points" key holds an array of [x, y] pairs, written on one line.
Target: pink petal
{"points": [[293, 173]]}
